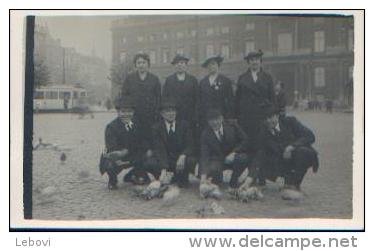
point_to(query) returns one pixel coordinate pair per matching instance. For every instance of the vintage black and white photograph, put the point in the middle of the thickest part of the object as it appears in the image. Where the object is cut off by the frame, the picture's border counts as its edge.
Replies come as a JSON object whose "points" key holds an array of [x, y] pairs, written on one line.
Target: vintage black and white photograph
{"points": [[194, 116]]}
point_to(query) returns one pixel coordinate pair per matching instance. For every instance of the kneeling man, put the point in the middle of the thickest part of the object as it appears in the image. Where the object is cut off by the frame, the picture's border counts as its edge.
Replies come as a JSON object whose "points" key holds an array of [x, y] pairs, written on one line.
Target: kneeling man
{"points": [[223, 146], [126, 146], [286, 151], [173, 145]]}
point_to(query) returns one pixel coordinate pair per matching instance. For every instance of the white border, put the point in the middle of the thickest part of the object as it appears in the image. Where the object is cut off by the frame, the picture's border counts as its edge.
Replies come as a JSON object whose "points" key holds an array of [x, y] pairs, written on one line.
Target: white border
{"points": [[17, 90]]}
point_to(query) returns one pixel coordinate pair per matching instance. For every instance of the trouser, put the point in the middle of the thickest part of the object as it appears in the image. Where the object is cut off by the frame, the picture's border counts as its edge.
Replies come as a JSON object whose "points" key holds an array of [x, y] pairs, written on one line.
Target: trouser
{"points": [[140, 169], [181, 177], [293, 170], [215, 169]]}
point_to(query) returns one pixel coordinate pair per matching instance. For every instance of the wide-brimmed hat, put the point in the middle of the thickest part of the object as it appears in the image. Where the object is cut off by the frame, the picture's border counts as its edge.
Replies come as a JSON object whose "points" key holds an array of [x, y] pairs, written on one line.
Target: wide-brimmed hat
{"points": [[217, 58], [168, 103], [213, 114], [124, 103], [178, 58], [254, 54]]}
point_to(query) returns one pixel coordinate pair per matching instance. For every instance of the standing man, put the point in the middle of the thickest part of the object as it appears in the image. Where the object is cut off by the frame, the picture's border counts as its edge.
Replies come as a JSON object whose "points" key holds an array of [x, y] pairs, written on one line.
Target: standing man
{"points": [[145, 88], [173, 144], [126, 146], [286, 151], [223, 146], [183, 89], [215, 92], [280, 98]]}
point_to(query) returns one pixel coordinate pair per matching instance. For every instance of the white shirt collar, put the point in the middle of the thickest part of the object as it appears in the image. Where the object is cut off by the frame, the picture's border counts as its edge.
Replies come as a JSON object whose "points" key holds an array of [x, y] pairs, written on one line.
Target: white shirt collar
{"points": [[218, 132], [213, 79], [181, 76], [170, 125]]}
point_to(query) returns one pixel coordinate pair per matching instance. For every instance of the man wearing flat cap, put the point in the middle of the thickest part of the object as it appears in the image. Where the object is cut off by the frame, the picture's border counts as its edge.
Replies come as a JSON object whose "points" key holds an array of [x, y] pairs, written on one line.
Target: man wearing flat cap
{"points": [[285, 150], [254, 88], [145, 89], [215, 92], [126, 147], [183, 88], [173, 145], [223, 146]]}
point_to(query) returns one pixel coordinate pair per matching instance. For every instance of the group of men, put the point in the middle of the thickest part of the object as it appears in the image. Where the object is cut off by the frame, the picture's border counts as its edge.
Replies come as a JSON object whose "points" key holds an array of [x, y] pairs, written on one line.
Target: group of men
{"points": [[167, 135]]}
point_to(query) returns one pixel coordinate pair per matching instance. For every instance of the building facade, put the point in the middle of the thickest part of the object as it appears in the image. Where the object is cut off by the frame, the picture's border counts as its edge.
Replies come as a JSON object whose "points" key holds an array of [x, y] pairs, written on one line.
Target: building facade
{"points": [[66, 66], [311, 55]]}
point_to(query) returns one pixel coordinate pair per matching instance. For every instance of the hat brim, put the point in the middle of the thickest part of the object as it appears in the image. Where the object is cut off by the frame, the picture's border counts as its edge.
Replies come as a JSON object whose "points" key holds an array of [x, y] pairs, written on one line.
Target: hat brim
{"points": [[177, 60], [218, 59]]}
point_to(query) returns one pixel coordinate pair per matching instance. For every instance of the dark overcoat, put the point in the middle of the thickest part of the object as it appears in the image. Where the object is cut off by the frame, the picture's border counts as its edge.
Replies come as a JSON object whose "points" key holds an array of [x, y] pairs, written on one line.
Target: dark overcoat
{"points": [[167, 148], [272, 146], [118, 138], [211, 97], [234, 140], [185, 94], [250, 96]]}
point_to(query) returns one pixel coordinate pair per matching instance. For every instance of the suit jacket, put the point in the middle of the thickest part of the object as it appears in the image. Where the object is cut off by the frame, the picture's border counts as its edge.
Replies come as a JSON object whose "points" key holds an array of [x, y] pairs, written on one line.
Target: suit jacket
{"points": [[167, 151], [118, 138], [185, 93], [281, 101], [221, 98], [292, 132], [234, 140], [250, 96]]}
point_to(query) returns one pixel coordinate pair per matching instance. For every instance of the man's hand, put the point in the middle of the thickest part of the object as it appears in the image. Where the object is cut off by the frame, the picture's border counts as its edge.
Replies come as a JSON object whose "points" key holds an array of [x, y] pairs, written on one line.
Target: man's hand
{"points": [[180, 162], [288, 152], [149, 153], [230, 158]]}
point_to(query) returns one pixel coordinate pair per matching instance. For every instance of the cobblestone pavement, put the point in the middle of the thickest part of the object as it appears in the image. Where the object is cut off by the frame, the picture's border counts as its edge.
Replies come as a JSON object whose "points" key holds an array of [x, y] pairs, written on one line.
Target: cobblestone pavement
{"points": [[75, 190]]}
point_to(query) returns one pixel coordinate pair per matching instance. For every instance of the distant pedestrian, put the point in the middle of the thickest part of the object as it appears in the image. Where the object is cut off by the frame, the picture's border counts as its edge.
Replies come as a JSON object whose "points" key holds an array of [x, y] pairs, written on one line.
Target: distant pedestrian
{"points": [[280, 98]]}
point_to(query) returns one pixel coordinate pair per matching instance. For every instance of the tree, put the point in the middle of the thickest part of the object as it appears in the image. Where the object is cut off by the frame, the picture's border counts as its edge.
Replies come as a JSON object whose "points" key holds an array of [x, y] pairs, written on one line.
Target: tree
{"points": [[118, 74], [41, 74]]}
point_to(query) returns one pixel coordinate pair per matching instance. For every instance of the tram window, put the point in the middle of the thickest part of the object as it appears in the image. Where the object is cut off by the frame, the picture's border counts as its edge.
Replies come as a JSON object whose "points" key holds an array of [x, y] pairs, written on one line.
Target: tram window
{"points": [[63, 95], [51, 95], [83, 94], [38, 95], [75, 94]]}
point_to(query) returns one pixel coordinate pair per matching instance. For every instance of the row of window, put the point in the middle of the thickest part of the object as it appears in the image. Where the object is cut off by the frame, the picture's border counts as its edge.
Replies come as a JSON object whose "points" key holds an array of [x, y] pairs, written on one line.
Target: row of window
{"points": [[285, 42], [57, 95], [191, 33]]}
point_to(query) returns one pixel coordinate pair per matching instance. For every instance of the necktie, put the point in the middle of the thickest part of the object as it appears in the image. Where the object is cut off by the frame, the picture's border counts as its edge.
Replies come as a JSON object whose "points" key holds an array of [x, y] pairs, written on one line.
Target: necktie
{"points": [[220, 135], [128, 126]]}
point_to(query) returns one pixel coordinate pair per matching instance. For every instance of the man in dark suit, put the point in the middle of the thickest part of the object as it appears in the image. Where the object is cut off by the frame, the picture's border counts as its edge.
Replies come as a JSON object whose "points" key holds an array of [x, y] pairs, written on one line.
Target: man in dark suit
{"points": [[126, 146], [215, 92], [254, 87], [145, 89], [223, 146], [285, 150], [173, 145], [280, 98]]}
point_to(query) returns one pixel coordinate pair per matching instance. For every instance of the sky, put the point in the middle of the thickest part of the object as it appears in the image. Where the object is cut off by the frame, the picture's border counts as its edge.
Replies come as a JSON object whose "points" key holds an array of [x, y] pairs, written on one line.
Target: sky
{"points": [[84, 33]]}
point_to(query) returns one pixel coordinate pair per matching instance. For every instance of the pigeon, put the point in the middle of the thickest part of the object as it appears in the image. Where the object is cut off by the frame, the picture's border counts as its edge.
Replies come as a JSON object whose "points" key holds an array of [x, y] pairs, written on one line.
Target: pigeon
{"points": [[292, 194], [170, 195], [152, 190], [62, 158], [217, 209], [208, 189]]}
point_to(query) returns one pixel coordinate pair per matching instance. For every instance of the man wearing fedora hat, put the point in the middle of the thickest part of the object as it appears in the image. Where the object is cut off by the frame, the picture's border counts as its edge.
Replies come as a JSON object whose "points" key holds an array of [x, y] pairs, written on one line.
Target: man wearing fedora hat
{"points": [[126, 147], [223, 146], [173, 144], [145, 89], [254, 87], [215, 92], [285, 150], [183, 88]]}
